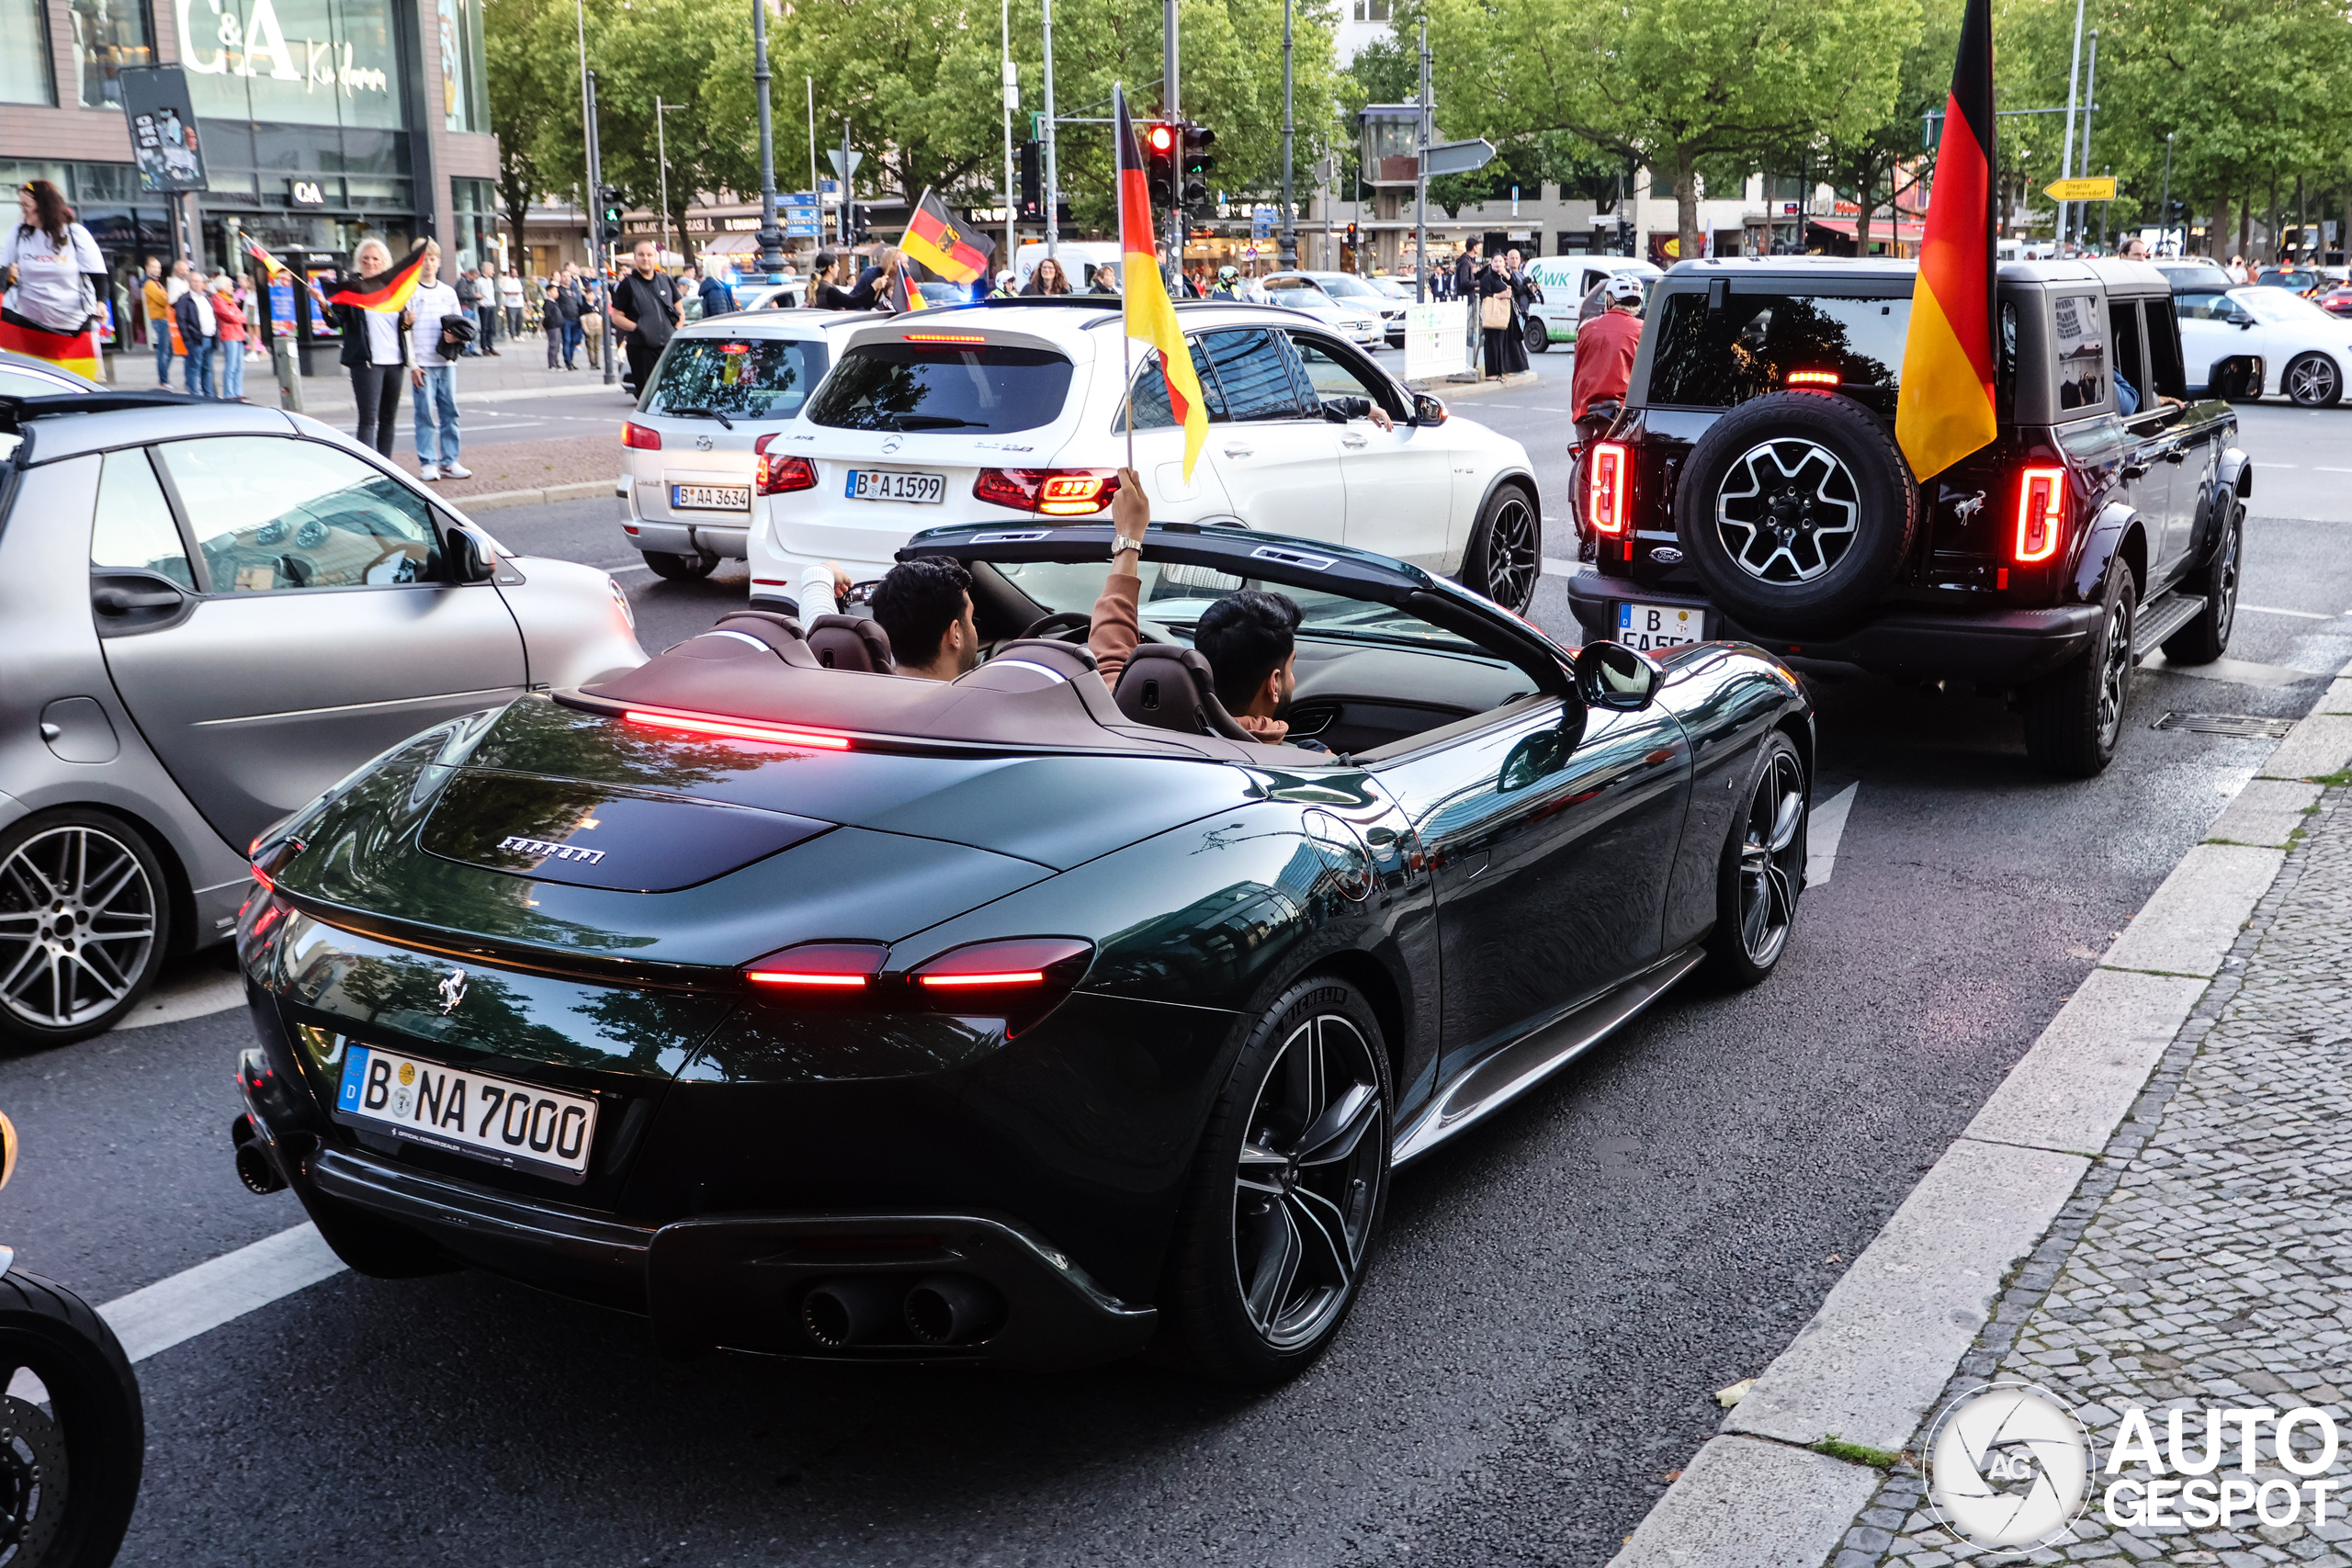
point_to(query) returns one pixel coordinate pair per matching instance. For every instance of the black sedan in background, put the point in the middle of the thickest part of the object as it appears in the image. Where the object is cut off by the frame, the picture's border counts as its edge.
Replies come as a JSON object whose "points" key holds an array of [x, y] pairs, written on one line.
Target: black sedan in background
{"points": [[811, 1009]]}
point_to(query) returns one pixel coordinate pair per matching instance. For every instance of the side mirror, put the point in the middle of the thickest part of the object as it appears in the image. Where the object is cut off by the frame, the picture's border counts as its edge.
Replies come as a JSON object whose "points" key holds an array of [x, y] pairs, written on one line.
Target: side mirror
{"points": [[1611, 675], [470, 557], [1428, 410]]}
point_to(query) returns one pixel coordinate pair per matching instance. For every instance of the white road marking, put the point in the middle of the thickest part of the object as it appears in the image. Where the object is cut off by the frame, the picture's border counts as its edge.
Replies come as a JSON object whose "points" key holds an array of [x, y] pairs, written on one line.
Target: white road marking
{"points": [[2317, 469], [197, 1301], [2234, 671], [199, 995], [639, 566], [2298, 615], [1554, 565], [1822, 834]]}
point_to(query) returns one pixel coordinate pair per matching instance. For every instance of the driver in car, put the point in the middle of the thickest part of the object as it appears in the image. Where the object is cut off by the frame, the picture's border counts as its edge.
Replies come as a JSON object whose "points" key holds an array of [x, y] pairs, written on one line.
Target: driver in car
{"points": [[925, 607], [1250, 637]]}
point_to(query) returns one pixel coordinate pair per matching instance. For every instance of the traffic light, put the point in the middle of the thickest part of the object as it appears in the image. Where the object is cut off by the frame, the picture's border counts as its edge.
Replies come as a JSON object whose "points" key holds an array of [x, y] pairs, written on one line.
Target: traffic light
{"points": [[609, 212], [1352, 236], [1198, 139], [1160, 161], [1032, 208]]}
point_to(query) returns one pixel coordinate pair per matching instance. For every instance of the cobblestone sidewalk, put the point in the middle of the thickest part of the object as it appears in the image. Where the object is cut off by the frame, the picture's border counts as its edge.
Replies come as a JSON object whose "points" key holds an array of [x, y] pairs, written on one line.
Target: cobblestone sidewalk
{"points": [[2204, 1262]]}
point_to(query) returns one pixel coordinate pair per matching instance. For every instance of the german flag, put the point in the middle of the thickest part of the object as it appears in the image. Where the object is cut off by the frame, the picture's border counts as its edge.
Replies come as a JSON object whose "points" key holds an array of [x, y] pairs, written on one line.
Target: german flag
{"points": [[1150, 316], [386, 292], [956, 251], [1944, 410], [77, 352], [272, 268]]}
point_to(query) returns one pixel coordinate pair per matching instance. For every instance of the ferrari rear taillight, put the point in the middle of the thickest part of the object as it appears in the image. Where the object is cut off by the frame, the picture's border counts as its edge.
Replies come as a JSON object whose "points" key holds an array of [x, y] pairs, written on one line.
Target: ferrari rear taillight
{"points": [[1605, 487], [636, 435], [2042, 514], [819, 968], [1056, 492], [1018, 980], [781, 476]]}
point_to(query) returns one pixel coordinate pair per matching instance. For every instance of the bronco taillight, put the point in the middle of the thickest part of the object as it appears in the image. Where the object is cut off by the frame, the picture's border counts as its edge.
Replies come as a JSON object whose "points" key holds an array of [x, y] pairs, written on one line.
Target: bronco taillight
{"points": [[2042, 514], [1605, 487], [1056, 492]]}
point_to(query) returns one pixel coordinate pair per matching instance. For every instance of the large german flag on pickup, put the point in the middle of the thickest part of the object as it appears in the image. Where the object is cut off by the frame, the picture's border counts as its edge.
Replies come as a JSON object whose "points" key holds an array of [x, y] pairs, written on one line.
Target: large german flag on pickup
{"points": [[956, 252], [387, 292], [1944, 410]]}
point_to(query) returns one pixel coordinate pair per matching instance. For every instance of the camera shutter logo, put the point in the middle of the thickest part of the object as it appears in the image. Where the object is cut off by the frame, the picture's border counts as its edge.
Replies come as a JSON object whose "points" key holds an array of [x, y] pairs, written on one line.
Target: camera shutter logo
{"points": [[2009, 1466]]}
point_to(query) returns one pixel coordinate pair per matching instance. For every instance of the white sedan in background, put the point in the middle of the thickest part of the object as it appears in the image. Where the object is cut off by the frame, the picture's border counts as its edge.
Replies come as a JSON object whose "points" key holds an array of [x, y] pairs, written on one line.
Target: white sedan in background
{"points": [[2305, 353], [1016, 411], [1346, 288], [1359, 321]]}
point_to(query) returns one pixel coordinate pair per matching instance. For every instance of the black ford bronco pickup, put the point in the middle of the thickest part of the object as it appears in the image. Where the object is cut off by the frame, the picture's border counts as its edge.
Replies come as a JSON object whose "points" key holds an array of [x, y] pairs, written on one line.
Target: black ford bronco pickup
{"points": [[1751, 488]]}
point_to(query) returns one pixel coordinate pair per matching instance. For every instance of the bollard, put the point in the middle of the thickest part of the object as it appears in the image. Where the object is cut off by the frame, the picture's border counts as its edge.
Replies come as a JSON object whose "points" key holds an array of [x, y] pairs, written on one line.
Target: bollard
{"points": [[289, 373]]}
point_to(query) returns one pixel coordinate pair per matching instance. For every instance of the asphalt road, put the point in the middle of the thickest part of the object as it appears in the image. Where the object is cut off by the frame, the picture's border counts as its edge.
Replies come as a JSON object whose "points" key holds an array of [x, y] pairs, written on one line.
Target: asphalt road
{"points": [[1557, 1295]]}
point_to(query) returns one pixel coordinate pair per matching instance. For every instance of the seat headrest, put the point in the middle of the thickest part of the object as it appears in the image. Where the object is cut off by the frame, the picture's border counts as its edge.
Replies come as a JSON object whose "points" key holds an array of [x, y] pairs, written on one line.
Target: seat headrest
{"points": [[1170, 687], [781, 635], [1027, 664], [851, 642]]}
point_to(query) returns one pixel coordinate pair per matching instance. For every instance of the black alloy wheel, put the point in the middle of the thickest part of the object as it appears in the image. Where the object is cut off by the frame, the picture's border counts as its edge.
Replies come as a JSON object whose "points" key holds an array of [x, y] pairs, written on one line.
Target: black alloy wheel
{"points": [[1506, 549], [2073, 717], [675, 567], [2313, 382], [1788, 511], [1763, 870], [84, 917], [68, 1473], [2207, 637], [1288, 1190]]}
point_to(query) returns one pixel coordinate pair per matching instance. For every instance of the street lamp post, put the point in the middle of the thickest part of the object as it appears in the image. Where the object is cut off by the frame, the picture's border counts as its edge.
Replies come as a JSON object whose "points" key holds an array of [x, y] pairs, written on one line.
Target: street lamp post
{"points": [[2066, 153], [1289, 241], [1421, 180], [771, 238], [1053, 169], [2091, 103], [2163, 213], [662, 151]]}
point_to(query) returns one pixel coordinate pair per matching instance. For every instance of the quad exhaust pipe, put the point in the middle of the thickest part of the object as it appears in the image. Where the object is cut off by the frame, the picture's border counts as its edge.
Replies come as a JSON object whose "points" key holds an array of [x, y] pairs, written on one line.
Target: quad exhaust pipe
{"points": [[939, 1309]]}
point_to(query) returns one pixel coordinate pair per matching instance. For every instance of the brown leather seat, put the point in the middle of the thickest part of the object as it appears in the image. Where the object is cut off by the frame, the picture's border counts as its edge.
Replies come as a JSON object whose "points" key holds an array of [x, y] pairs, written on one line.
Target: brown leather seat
{"points": [[1170, 687], [851, 642]]}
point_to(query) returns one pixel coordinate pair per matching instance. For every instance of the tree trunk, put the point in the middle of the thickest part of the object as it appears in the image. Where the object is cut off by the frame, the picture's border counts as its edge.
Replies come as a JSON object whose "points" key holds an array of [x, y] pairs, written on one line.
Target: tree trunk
{"points": [[2245, 225], [2217, 230], [1686, 206], [1862, 201]]}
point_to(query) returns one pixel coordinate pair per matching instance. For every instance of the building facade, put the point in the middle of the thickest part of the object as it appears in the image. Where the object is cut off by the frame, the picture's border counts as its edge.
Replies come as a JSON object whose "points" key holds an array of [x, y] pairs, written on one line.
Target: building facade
{"points": [[322, 122]]}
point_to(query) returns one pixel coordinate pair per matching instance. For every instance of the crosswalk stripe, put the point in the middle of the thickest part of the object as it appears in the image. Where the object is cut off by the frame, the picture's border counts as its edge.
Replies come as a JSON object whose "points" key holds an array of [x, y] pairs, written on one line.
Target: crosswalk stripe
{"points": [[197, 1301], [1822, 834]]}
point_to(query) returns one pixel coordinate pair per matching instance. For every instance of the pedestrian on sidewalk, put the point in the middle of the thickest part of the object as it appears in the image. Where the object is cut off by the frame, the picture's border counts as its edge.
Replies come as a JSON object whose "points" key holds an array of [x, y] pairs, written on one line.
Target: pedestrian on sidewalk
{"points": [[551, 323], [572, 302], [157, 296], [718, 299], [645, 309], [374, 350], [468, 291], [229, 316], [199, 330], [510, 300], [592, 318], [437, 341], [486, 311]]}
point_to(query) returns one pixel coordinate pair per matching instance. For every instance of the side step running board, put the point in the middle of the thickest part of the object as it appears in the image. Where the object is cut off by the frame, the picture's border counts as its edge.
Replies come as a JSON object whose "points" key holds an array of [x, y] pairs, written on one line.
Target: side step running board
{"points": [[2161, 619], [1503, 1073]]}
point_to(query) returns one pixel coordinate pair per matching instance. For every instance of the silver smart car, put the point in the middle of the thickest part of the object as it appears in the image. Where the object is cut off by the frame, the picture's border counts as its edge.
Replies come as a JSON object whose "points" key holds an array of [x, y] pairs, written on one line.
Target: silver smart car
{"points": [[214, 613]]}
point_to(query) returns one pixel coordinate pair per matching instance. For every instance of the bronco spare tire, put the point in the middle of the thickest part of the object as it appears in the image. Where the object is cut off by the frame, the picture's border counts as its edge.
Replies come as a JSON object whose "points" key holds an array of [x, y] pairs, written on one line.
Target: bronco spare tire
{"points": [[1796, 508]]}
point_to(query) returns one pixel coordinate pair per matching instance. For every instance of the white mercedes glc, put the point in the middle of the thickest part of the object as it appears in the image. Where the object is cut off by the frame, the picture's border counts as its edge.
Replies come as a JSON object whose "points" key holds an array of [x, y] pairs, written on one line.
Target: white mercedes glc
{"points": [[1018, 411]]}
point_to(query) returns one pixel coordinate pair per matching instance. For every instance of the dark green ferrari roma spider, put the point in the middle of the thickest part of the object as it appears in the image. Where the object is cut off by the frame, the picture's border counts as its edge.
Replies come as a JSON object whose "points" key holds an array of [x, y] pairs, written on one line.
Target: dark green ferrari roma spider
{"points": [[807, 1009]]}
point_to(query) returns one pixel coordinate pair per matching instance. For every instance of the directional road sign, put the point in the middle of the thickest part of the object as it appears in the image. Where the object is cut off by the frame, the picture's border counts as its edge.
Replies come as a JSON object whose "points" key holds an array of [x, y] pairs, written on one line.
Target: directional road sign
{"points": [[1457, 157], [2081, 190]]}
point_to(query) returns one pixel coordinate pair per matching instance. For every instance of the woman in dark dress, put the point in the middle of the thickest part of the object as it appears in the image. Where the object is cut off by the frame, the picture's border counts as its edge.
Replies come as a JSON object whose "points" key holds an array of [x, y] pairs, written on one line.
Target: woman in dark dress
{"points": [[1505, 346]]}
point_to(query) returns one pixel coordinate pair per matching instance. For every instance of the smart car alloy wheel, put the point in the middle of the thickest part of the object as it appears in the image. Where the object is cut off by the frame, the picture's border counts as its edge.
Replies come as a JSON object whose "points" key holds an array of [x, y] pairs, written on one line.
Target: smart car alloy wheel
{"points": [[1788, 511], [80, 922]]}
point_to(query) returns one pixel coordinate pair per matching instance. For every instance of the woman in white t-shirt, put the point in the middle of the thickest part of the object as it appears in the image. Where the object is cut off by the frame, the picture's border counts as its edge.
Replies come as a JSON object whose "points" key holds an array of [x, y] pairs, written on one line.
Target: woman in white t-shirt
{"points": [[52, 261], [374, 350]]}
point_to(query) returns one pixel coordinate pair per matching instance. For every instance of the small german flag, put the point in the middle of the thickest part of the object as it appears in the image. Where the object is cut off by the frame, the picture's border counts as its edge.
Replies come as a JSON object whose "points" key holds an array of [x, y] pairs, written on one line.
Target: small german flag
{"points": [[77, 352], [387, 292], [956, 252], [270, 265], [1944, 409]]}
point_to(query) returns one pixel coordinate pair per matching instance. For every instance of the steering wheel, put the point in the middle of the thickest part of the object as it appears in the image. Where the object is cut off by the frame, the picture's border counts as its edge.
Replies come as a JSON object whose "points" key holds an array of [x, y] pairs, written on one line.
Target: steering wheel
{"points": [[1061, 623]]}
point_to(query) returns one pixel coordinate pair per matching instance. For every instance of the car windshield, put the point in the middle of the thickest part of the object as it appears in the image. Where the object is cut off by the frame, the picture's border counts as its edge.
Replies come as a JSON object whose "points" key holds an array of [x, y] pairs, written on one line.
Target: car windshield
{"points": [[746, 377], [1715, 357], [1174, 594], [2277, 305], [1342, 286], [921, 386], [1295, 292]]}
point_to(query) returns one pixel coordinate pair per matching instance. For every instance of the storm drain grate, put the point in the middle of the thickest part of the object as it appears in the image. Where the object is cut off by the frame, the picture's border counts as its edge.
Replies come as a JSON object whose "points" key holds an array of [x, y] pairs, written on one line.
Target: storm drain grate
{"points": [[2250, 727]]}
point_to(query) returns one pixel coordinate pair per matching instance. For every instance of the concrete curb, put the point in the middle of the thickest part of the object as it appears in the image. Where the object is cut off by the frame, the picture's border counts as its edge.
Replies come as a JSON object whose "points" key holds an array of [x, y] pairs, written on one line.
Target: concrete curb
{"points": [[318, 403], [1451, 390], [497, 498], [1871, 1365]]}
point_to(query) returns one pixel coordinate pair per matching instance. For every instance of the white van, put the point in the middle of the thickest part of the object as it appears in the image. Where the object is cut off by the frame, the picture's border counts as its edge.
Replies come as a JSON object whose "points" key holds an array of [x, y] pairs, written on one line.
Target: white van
{"points": [[1565, 280]]}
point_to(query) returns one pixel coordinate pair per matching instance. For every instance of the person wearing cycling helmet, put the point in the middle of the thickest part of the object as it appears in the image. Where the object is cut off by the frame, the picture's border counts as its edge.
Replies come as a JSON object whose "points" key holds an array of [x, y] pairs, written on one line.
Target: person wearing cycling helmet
{"points": [[1605, 347], [1228, 284]]}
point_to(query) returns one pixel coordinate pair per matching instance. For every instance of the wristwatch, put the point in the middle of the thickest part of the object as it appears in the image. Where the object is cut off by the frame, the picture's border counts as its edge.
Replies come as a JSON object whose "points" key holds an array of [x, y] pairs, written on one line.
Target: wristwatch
{"points": [[1121, 542]]}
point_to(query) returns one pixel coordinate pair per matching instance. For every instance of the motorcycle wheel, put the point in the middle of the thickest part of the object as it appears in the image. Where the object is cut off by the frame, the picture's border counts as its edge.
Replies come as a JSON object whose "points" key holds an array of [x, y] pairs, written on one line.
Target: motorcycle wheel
{"points": [[70, 1459]]}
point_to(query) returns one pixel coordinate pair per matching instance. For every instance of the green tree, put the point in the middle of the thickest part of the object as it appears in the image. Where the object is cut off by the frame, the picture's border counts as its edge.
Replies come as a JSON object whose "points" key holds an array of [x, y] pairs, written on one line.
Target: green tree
{"points": [[1675, 84]]}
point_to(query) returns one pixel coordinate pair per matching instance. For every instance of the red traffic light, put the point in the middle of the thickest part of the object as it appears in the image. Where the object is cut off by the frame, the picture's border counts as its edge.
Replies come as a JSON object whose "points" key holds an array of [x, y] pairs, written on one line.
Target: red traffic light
{"points": [[1162, 137]]}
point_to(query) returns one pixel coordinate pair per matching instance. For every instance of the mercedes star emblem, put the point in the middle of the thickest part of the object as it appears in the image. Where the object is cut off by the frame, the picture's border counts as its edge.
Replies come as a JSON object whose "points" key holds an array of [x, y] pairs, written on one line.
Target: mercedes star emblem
{"points": [[453, 990], [891, 445]]}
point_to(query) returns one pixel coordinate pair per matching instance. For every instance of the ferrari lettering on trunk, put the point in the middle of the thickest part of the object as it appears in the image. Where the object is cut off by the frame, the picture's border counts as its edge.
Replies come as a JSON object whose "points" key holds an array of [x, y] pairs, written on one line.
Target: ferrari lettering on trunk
{"points": [[547, 851]]}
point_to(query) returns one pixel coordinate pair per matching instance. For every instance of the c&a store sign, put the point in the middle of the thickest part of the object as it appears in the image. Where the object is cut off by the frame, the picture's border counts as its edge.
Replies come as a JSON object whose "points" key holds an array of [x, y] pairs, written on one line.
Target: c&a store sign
{"points": [[290, 60]]}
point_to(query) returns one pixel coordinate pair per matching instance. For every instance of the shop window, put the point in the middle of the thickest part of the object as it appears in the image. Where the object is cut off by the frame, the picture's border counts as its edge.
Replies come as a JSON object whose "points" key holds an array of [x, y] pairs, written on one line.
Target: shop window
{"points": [[464, 105], [473, 223], [292, 62], [24, 54], [109, 36]]}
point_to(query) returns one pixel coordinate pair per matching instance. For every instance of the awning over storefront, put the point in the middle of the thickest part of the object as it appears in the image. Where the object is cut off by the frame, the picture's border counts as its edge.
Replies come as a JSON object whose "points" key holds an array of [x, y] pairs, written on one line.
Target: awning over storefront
{"points": [[1901, 233]]}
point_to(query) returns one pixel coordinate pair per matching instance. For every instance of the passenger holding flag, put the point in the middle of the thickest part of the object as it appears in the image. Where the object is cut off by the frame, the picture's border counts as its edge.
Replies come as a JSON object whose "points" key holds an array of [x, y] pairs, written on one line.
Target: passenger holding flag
{"points": [[371, 311], [55, 272]]}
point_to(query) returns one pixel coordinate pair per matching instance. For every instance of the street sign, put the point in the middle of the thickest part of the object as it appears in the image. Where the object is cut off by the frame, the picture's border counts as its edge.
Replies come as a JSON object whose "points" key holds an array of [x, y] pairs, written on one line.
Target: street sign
{"points": [[2081, 190], [1261, 221], [833, 156], [1457, 157]]}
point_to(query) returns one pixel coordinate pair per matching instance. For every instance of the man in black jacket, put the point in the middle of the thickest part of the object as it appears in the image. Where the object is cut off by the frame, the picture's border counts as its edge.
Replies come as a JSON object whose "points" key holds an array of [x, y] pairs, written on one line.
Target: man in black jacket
{"points": [[645, 308]]}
